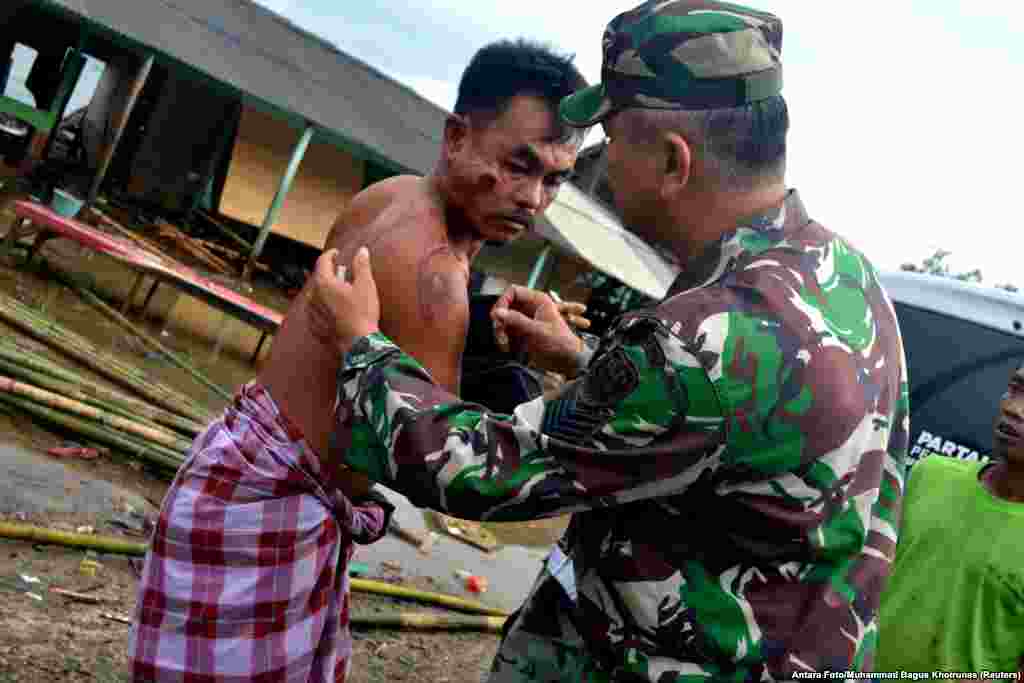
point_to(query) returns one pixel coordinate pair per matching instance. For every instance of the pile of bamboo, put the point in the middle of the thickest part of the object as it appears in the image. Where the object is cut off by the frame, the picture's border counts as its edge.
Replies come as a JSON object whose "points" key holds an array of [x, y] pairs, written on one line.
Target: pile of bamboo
{"points": [[94, 216], [146, 419], [115, 316], [80, 349]]}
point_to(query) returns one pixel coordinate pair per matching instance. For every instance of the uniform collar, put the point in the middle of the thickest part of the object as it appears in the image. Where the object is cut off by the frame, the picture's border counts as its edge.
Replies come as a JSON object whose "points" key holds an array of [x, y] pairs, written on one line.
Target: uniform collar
{"points": [[751, 235]]}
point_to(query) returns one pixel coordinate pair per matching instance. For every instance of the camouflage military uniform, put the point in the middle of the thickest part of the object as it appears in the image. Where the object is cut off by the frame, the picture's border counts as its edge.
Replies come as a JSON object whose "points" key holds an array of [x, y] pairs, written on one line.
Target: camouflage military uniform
{"points": [[733, 458]]}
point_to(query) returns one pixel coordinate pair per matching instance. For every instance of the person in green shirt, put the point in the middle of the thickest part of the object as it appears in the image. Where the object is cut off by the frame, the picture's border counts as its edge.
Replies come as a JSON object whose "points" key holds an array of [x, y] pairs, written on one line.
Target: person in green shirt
{"points": [[955, 598]]}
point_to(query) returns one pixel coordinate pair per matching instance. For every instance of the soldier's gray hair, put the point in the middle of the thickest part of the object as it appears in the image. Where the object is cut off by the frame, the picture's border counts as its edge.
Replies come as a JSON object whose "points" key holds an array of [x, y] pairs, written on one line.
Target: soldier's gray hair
{"points": [[742, 147]]}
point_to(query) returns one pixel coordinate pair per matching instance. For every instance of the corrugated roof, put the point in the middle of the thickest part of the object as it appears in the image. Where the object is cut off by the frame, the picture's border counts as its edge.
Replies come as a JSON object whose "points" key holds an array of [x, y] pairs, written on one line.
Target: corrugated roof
{"points": [[267, 57]]}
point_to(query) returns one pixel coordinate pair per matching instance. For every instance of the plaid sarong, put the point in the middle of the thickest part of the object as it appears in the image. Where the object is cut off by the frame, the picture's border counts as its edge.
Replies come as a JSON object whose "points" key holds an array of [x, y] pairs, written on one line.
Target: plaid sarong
{"points": [[246, 576]]}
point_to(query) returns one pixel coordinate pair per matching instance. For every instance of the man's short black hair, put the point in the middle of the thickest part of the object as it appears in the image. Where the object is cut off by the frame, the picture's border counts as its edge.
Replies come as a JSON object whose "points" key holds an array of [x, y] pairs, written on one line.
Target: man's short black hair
{"points": [[502, 70]]}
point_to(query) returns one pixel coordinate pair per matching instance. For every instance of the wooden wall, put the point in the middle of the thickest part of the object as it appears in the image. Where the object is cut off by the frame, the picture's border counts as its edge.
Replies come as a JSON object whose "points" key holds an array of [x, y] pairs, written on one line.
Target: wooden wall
{"points": [[327, 179]]}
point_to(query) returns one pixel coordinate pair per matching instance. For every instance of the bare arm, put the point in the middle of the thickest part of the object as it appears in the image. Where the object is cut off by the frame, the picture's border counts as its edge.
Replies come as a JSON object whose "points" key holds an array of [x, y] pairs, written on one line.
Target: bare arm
{"points": [[443, 299]]}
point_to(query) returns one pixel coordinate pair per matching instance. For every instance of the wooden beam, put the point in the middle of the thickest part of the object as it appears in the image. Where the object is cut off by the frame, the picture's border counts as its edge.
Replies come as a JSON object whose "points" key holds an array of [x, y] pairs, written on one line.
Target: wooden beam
{"points": [[282, 190], [111, 148]]}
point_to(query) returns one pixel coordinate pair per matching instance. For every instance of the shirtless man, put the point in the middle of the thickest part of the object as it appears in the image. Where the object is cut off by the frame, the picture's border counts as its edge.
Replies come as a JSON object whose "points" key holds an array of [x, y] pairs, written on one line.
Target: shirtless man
{"points": [[504, 156], [254, 536]]}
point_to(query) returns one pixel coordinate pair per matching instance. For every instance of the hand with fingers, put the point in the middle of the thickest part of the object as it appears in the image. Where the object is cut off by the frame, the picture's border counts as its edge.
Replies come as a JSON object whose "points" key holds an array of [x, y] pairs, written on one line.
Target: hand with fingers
{"points": [[526, 320], [573, 312], [343, 303]]}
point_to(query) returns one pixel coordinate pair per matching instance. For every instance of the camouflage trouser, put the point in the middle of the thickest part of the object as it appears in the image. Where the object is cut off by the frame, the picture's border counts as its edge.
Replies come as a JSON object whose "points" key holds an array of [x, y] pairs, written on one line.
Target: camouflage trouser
{"points": [[540, 642], [526, 657]]}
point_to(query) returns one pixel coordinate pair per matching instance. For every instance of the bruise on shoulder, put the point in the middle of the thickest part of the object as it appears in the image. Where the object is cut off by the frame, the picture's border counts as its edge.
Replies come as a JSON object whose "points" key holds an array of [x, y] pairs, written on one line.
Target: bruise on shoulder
{"points": [[442, 283]]}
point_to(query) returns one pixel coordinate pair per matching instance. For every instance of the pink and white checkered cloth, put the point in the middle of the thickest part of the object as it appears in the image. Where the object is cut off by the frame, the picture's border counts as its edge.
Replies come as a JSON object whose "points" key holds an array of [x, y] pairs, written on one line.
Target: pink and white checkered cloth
{"points": [[246, 577]]}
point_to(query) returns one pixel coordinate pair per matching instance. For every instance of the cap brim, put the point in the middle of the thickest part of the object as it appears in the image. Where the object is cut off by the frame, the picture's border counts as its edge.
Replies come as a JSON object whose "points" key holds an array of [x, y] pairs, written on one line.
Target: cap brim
{"points": [[585, 107]]}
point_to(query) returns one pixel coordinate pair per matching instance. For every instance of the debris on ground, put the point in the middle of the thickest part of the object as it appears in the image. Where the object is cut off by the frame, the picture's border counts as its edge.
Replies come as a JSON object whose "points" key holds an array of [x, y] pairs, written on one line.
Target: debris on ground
{"points": [[89, 567], [472, 582], [74, 452], [358, 569], [423, 541], [116, 617], [466, 531], [76, 597]]}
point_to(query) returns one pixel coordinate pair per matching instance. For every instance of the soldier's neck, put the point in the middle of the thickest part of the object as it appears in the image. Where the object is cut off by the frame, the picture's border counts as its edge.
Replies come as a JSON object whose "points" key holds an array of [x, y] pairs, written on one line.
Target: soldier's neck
{"points": [[704, 219]]}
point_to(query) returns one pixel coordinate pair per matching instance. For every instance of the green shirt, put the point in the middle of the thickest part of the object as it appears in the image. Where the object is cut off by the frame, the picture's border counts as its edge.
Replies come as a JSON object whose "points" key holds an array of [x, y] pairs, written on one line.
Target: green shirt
{"points": [[955, 599]]}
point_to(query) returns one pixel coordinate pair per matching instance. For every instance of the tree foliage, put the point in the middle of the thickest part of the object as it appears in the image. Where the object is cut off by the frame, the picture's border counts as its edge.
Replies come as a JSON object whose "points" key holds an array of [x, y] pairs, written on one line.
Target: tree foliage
{"points": [[936, 265]]}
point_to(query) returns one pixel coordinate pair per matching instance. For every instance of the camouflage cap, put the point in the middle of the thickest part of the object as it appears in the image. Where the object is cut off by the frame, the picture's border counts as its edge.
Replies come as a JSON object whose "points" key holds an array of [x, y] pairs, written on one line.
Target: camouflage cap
{"points": [[682, 54]]}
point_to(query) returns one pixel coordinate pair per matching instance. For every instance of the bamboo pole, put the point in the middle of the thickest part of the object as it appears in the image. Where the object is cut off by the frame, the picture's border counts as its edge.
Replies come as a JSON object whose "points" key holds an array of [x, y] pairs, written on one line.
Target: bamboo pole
{"points": [[153, 453], [127, 324], [42, 372], [197, 250], [148, 245], [432, 622], [71, 344], [116, 315], [455, 602], [67, 338], [22, 374], [104, 544], [493, 621], [24, 356], [119, 546], [104, 417], [231, 253], [239, 240]]}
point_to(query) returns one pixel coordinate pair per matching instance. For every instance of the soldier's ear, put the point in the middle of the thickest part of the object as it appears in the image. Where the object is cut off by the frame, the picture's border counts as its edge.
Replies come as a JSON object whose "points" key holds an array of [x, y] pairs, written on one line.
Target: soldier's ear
{"points": [[678, 160]]}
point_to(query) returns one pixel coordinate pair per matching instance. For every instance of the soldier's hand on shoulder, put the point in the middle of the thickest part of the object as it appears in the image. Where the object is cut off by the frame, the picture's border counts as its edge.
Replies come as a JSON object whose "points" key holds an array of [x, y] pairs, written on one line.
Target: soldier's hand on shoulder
{"points": [[343, 303]]}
